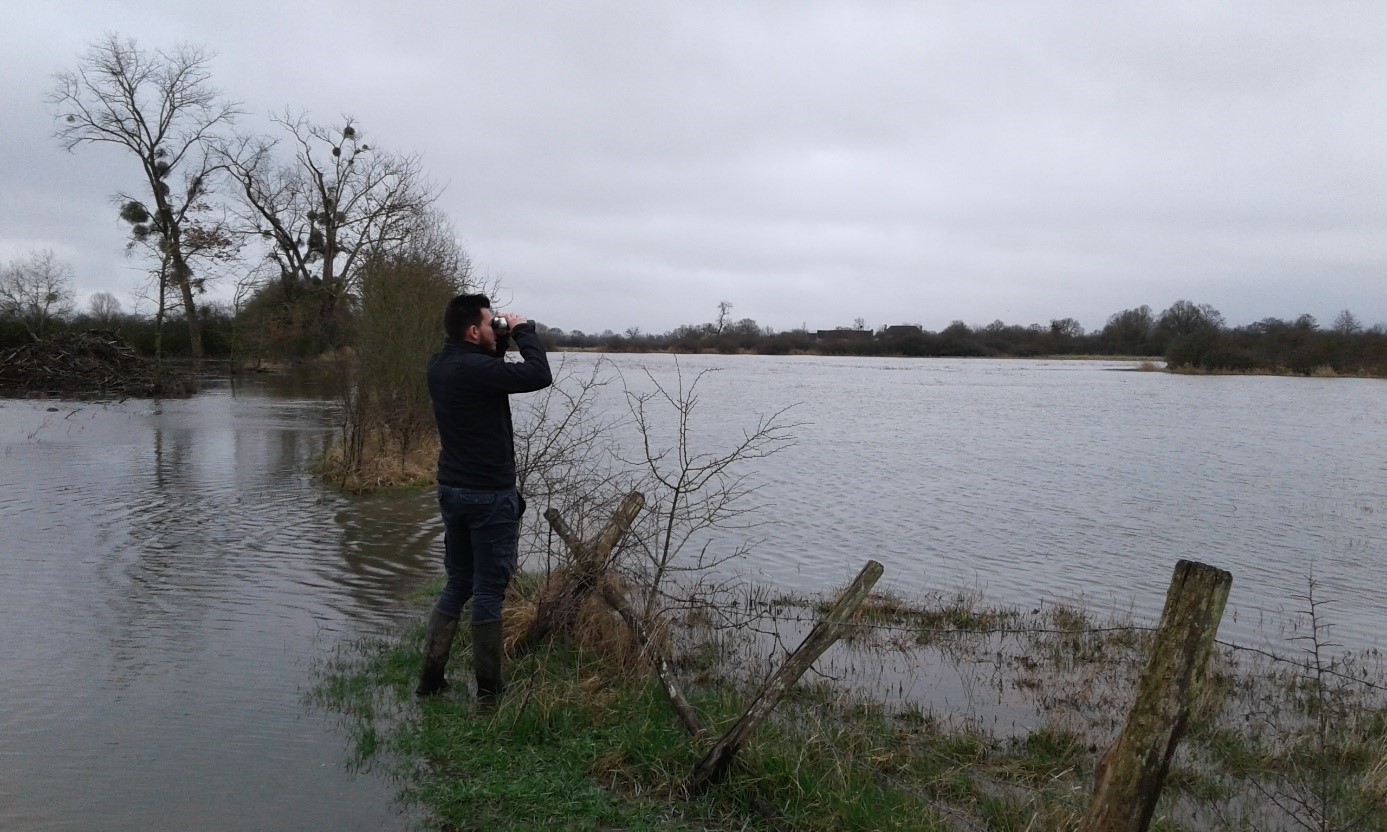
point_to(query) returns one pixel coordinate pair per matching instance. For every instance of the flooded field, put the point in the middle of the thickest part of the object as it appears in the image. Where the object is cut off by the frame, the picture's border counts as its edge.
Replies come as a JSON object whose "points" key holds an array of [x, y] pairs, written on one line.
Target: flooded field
{"points": [[171, 572]]}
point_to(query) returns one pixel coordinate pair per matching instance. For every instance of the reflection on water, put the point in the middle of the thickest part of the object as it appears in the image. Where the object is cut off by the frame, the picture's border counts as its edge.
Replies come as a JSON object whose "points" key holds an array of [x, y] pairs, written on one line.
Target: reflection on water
{"points": [[169, 572]]}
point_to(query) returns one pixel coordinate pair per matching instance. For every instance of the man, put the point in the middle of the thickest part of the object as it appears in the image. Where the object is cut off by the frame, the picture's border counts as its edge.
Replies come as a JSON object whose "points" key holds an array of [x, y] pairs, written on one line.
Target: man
{"points": [[470, 383]]}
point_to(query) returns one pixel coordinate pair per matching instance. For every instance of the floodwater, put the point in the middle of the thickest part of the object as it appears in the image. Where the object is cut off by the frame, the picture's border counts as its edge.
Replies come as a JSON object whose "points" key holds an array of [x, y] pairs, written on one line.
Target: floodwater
{"points": [[169, 576], [171, 573], [1032, 482]]}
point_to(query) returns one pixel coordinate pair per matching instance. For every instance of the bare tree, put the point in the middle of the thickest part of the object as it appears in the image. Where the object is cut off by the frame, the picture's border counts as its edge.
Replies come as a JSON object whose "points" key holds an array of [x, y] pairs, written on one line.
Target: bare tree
{"points": [[161, 107], [1066, 328], [433, 237], [724, 315], [1184, 317], [105, 309], [335, 203], [1346, 323], [36, 290]]}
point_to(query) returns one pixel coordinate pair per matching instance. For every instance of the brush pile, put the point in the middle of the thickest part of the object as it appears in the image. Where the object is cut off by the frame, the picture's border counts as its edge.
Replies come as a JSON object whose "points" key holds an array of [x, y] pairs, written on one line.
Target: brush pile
{"points": [[93, 364]]}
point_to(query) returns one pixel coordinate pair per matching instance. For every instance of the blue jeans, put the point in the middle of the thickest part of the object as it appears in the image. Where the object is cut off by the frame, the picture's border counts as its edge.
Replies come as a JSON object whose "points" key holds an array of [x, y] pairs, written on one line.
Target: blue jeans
{"points": [[480, 537]]}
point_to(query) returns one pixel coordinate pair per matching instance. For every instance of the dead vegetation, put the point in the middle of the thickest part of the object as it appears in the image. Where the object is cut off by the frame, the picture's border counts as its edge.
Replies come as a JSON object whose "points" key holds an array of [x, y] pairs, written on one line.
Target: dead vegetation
{"points": [[92, 364]]}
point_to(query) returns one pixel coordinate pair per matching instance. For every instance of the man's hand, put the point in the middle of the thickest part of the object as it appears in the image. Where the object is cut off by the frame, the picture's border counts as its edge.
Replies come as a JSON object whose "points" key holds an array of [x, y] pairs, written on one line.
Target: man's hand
{"points": [[513, 321]]}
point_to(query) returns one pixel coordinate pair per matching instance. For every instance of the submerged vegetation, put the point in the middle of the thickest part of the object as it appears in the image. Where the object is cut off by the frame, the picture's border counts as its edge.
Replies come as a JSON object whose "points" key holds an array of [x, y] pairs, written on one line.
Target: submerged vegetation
{"points": [[84, 365], [902, 730], [387, 434]]}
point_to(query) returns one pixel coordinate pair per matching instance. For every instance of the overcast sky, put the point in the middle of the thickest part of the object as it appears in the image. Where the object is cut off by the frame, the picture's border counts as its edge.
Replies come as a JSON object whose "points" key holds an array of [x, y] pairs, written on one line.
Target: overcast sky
{"points": [[634, 163]]}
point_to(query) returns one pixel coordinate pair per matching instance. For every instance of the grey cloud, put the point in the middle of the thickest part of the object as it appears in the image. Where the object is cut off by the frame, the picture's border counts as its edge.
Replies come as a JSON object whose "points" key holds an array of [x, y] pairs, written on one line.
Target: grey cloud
{"points": [[631, 164]]}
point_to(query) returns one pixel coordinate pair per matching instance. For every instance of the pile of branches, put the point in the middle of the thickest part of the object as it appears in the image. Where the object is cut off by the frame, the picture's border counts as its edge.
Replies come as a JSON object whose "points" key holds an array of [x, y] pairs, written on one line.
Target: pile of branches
{"points": [[82, 364]]}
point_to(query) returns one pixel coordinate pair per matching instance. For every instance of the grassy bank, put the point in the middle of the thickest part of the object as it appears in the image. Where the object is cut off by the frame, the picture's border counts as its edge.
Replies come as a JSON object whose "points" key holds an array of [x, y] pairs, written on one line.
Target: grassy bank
{"points": [[379, 463], [585, 740], [1322, 371], [582, 742]]}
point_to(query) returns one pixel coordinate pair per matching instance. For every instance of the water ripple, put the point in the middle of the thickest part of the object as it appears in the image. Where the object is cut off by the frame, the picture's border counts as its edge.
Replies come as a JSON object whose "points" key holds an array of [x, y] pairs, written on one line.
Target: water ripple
{"points": [[169, 571]]}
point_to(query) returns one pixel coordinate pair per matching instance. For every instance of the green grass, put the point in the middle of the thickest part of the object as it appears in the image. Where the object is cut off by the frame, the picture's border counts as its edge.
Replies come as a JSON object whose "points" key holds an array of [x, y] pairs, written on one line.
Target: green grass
{"points": [[582, 741], [577, 744]]}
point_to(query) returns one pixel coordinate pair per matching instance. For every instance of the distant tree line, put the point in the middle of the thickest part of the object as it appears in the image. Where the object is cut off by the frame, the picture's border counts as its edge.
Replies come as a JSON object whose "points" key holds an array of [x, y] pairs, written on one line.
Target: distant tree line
{"points": [[36, 300], [1186, 335]]}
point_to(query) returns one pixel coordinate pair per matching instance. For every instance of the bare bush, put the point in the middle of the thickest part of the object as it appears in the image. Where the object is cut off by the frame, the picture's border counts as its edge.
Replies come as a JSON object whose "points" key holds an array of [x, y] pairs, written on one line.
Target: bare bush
{"points": [[691, 490], [562, 455], [387, 428]]}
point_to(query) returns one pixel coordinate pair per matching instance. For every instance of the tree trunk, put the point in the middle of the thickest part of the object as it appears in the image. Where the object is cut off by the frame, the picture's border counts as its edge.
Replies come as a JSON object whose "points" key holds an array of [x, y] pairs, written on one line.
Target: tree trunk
{"points": [[159, 320], [173, 252], [185, 286]]}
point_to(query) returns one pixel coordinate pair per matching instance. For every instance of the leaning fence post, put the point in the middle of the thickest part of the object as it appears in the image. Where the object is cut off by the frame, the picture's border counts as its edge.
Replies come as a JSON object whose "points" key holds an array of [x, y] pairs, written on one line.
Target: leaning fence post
{"points": [[1132, 772], [716, 762], [618, 602], [590, 561]]}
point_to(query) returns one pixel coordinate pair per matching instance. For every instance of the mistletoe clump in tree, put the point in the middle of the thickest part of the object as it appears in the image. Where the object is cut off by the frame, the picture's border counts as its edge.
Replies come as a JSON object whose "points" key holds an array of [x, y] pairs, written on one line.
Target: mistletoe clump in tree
{"points": [[161, 107], [326, 207]]}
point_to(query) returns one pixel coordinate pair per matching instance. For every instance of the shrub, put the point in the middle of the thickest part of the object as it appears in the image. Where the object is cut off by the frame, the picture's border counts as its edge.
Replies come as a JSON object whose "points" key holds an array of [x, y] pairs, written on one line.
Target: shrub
{"points": [[388, 413]]}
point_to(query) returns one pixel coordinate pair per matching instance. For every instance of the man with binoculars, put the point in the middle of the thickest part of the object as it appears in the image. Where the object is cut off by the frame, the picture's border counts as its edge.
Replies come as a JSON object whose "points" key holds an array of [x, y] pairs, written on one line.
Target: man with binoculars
{"points": [[470, 383]]}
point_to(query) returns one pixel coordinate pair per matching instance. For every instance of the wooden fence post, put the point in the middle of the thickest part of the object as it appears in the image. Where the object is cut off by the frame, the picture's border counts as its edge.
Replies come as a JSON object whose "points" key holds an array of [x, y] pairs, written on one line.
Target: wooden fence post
{"points": [[1132, 772], [590, 561], [716, 762], [618, 602]]}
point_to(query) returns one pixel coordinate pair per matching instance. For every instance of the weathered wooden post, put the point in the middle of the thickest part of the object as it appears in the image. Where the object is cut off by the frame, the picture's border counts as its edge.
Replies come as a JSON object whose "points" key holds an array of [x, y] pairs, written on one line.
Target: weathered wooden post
{"points": [[673, 691], [589, 574], [590, 561], [1132, 772], [716, 762]]}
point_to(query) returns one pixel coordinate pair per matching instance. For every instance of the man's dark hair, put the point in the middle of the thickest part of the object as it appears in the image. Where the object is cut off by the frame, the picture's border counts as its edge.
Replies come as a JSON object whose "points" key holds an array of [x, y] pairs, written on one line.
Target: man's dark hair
{"points": [[464, 311]]}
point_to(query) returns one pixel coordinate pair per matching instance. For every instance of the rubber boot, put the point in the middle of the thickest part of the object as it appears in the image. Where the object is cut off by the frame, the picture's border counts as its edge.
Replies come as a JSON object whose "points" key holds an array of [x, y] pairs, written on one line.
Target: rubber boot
{"points": [[486, 660], [437, 643]]}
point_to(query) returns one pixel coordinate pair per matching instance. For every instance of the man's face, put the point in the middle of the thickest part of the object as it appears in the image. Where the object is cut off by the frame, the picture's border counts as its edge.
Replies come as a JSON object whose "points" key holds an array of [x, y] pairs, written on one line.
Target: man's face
{"points": [[486, 336]]}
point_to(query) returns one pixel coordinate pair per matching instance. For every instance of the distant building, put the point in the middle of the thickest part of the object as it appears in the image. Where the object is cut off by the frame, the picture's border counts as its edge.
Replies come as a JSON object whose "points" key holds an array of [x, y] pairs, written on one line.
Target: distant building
{"points": [[903, 329], [843, 334]]}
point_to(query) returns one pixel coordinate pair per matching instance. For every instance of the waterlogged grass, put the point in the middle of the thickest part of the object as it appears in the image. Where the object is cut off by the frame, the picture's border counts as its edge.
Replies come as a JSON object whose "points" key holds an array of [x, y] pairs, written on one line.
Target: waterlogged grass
{"points": [[585, 740], [379, 465], [1321, 371], [578, 744]]}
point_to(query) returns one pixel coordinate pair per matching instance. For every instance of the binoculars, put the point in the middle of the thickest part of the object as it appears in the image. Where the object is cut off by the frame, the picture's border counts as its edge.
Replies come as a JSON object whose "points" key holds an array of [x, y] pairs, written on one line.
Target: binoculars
{"points": [[500, 324]]}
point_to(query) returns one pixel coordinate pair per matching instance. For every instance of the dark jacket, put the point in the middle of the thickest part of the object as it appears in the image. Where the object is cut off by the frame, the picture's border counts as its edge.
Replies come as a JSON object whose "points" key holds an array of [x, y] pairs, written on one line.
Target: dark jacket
{"points": [[470, 389]]}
